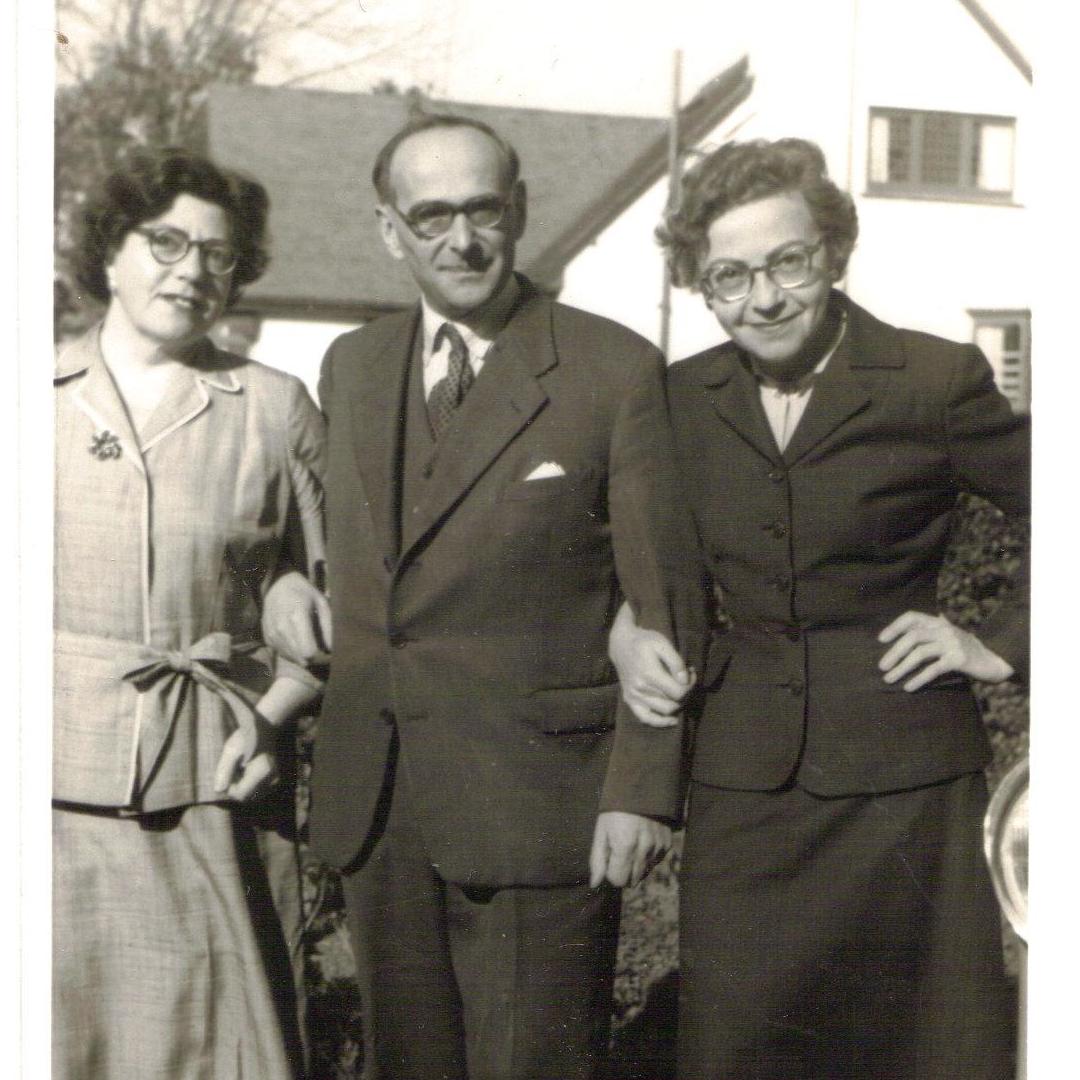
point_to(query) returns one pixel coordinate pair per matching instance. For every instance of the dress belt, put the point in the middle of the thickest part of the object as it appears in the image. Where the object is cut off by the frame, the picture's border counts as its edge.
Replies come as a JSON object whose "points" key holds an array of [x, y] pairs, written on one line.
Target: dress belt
{"points": [[157, 672]]}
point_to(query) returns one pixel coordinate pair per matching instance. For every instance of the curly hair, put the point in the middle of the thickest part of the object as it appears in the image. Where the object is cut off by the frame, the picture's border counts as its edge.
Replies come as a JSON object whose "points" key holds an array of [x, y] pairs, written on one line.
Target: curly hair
{"points": [[144, 186], [743, 172]]}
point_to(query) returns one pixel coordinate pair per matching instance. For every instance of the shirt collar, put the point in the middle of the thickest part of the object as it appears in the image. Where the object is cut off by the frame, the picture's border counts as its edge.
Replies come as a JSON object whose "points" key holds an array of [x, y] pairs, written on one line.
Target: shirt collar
{"points": [[477, 344]]}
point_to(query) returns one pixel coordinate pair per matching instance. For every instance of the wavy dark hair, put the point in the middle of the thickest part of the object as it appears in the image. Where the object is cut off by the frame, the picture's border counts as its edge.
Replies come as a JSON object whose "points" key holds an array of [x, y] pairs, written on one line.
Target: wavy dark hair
{"points": [[743, 172], [424, 121], [144, 186]]}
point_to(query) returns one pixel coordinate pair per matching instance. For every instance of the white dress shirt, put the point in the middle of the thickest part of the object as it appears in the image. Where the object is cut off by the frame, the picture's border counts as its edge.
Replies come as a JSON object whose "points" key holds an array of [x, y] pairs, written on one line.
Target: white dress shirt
{"points": [[437, 361]]}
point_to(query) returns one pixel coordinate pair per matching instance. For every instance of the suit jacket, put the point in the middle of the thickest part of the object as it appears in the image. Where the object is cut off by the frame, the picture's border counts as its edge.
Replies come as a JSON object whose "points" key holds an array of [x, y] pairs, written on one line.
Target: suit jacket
{"points": [[470, 630], [815, 550]]}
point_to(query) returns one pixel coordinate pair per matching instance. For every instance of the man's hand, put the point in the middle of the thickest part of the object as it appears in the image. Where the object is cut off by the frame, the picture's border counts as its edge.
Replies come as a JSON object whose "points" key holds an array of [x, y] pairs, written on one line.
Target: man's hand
{"points": [[625, 848], [919, 639], [296, 620], [652, 674]]}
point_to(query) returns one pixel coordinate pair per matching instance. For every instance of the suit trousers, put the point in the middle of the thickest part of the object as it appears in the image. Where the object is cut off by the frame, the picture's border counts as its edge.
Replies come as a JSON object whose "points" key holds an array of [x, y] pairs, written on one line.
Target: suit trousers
{"points": [[853, 938], [464, 983]]}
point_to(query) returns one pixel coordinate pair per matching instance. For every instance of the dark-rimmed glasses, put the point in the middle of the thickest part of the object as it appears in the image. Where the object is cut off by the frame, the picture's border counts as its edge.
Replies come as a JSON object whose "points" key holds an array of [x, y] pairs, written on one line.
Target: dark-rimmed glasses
{"points": [[729, 280], [430, 220], [169, 245]]}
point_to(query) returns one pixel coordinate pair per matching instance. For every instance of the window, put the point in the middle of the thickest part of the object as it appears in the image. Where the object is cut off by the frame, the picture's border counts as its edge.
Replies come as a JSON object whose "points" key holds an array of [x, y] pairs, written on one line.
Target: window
{"points": [[1005, 337], [941, 155]]}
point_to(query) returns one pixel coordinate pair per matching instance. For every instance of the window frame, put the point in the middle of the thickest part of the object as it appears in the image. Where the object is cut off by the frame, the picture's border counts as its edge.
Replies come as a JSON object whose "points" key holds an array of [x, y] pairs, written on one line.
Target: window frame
{"points": [[966, 190], [1006, 317]]}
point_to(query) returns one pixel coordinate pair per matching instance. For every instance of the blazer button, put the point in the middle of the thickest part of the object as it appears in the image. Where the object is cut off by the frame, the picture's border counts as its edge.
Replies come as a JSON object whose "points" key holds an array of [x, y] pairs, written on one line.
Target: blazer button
{"points": [[386, 716], [399, 641], [777, 475], [796, 688], [781, 583], [793, 633], [777, 528]]}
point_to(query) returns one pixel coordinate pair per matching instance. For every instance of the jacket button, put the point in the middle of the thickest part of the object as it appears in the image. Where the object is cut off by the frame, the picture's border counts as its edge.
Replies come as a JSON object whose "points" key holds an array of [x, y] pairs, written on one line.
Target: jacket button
{"points": [[398, 641], [796, 688], [781, 583], [777, 475], [793, 633], [777, 528], [386, 716]]}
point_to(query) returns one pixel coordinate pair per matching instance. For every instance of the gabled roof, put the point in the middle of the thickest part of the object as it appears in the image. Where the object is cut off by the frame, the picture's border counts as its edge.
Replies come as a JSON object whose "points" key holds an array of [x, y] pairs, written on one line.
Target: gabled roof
{"points": [[314, 150]]}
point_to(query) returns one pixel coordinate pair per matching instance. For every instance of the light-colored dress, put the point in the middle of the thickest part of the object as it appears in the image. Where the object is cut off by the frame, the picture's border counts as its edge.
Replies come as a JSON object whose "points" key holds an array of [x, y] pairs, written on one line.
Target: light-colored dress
{"points": [[166, 541]]}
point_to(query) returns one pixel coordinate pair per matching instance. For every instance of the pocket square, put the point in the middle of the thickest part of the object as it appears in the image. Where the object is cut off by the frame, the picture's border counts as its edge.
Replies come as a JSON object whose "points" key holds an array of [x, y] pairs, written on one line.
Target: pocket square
{"points": [[545, 470]]}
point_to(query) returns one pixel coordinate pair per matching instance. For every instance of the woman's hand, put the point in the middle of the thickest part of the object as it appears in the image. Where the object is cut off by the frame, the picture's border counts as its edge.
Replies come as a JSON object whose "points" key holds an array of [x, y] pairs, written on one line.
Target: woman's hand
{"points": [[248, 760], [652, 674], [930, 645]]}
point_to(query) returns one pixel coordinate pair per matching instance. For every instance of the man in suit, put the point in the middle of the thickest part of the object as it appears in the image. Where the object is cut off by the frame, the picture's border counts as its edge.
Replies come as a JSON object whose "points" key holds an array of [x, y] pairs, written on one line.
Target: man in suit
{"points": [[500, 476], [837, 917]]}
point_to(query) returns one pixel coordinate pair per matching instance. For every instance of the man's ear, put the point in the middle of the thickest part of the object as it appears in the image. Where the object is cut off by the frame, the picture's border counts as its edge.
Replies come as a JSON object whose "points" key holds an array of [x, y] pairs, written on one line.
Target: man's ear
{"points": [[518, 203], [388, 232]]}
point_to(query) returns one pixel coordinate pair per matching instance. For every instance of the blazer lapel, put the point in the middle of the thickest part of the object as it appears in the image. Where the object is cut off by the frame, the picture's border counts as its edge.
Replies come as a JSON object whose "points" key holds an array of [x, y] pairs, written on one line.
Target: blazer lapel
{"points": [[734, 395], [377, 404], [502, 401], [849, 382]]}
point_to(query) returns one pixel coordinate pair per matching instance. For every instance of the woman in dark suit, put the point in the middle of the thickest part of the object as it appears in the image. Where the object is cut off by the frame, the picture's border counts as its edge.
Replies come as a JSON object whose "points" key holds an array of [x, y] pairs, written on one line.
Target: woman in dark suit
{"points": [[837, 918]]}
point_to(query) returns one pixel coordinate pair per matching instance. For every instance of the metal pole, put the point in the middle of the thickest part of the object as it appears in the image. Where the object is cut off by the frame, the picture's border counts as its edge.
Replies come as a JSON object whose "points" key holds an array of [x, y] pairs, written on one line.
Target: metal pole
{"points": [[673, 188]]}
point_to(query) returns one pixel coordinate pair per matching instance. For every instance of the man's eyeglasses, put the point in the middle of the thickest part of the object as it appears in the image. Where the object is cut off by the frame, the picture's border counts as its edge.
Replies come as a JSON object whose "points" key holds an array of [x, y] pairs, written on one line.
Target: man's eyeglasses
{"points": [[729, 280], [169, 245], [429, 220]]}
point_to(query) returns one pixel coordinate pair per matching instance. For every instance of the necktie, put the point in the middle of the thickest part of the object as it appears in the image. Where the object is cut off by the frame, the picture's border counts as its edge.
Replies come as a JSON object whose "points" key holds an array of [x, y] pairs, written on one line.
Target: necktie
{"points": [[448, 393]]}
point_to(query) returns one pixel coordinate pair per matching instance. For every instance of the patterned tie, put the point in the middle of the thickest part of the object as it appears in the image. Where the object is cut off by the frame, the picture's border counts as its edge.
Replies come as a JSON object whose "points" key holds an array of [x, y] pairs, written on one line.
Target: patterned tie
{"points": [[448, 393]]}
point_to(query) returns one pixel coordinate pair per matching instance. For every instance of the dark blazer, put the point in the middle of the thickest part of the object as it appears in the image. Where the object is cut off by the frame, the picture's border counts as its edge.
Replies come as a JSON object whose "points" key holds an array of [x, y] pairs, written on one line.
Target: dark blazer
{"points": [[814, 551], [477, 630]]}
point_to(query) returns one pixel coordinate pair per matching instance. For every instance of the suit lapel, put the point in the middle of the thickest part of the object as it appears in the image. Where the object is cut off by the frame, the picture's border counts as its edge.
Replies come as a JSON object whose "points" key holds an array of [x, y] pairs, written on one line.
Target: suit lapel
{"points": [[377, 401], [849, 382], [733, 391], [502, 401]]}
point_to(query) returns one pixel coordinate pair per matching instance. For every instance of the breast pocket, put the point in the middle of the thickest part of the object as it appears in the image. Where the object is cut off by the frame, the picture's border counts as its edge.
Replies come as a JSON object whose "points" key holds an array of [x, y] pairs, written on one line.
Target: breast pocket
{"points": [[580, 485]]}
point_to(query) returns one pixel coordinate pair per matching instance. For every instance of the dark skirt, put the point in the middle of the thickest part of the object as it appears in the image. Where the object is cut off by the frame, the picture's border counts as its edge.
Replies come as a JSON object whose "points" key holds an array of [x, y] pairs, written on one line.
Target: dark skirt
{"points": [[833, 938]]}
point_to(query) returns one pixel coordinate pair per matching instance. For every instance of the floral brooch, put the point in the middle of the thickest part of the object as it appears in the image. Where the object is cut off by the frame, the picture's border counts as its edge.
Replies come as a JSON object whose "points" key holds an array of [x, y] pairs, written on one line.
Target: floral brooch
{"points": [[105, 445]]}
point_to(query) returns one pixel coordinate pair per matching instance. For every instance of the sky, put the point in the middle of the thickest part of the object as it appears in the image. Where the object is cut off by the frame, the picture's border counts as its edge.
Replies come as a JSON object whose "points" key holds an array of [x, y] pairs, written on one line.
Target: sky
{"points": [[611, 56]]}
